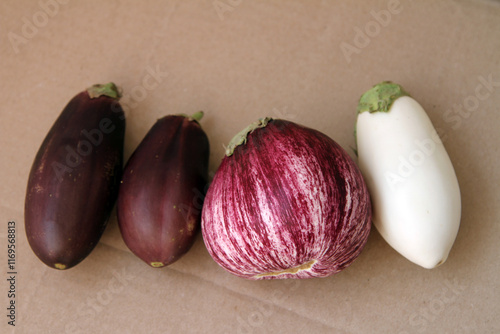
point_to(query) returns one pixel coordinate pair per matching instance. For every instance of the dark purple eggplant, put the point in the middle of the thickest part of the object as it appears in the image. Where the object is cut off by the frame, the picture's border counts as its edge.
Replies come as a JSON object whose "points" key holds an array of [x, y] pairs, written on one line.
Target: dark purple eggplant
{"points": [[73, 183], [161, 195]]}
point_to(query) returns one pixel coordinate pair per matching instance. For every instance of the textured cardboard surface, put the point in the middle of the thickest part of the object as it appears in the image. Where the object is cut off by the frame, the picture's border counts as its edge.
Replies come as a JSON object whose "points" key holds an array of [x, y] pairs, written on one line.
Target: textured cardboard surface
{"points": [[240, 60]]}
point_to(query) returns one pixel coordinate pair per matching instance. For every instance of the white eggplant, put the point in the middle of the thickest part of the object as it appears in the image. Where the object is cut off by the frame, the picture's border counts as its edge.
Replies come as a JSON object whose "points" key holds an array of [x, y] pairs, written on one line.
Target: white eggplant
{"points": [[411, 180]]}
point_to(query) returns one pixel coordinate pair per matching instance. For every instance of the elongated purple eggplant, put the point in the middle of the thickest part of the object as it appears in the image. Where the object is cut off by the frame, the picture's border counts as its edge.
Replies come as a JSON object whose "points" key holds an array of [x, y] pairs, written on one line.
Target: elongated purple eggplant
{"points": [[161, 195], [74, 179]]}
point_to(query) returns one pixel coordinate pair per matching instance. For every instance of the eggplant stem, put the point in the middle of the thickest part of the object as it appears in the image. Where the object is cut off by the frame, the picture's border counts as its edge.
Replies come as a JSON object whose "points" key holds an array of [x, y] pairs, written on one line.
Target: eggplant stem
{"points": [[381, 97], [241, 137], [109, 90], [197, 116]]}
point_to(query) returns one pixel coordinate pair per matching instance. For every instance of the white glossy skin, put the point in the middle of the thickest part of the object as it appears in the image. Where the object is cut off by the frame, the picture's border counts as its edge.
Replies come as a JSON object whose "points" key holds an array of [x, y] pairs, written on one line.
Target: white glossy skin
{"points": [[413, 186]]}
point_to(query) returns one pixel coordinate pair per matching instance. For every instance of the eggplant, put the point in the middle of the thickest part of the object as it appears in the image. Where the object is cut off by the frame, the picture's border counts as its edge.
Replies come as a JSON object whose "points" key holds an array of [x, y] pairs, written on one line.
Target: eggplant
{"points": [[162, 191], [286, 202], [73, 182], [415, 190]]}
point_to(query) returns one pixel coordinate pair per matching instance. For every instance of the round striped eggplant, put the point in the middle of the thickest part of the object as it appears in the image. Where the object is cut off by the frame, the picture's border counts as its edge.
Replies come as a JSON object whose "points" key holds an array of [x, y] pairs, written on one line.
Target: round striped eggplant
{"points": [[286, 202], [74, 178], [161, 195]]}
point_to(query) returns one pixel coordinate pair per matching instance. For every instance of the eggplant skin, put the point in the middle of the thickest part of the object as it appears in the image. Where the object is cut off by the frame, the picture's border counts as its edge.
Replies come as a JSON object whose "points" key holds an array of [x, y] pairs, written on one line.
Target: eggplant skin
{"points": [[285, 202], [161, 195], [74, 179]]}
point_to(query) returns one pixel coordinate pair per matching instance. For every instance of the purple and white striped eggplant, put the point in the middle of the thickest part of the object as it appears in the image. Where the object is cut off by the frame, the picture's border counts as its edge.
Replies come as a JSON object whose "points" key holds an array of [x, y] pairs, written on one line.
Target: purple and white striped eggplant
{"points": [[286, 202]]}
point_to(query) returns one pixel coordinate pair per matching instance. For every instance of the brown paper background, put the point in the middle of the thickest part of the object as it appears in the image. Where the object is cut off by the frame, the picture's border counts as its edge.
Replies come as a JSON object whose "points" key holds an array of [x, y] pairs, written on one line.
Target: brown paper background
{"points": [[275, 58]]}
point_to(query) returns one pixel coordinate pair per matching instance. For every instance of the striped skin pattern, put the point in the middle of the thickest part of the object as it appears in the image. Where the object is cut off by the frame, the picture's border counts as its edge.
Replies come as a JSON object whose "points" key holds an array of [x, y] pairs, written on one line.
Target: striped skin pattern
{"points": [[289, 203]]}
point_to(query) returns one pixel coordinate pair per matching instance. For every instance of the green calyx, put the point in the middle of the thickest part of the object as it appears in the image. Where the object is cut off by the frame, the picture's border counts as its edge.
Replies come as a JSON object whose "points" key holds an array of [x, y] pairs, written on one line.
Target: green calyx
{"points": [[197, 116], [380, 97], [241, 137], [109, 90]]}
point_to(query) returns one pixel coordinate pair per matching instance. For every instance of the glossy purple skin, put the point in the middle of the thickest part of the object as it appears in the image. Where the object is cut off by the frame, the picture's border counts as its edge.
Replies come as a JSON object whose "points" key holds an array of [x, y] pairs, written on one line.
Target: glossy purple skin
{"points": [[69, 197], [161, 196], [289, 203]]}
